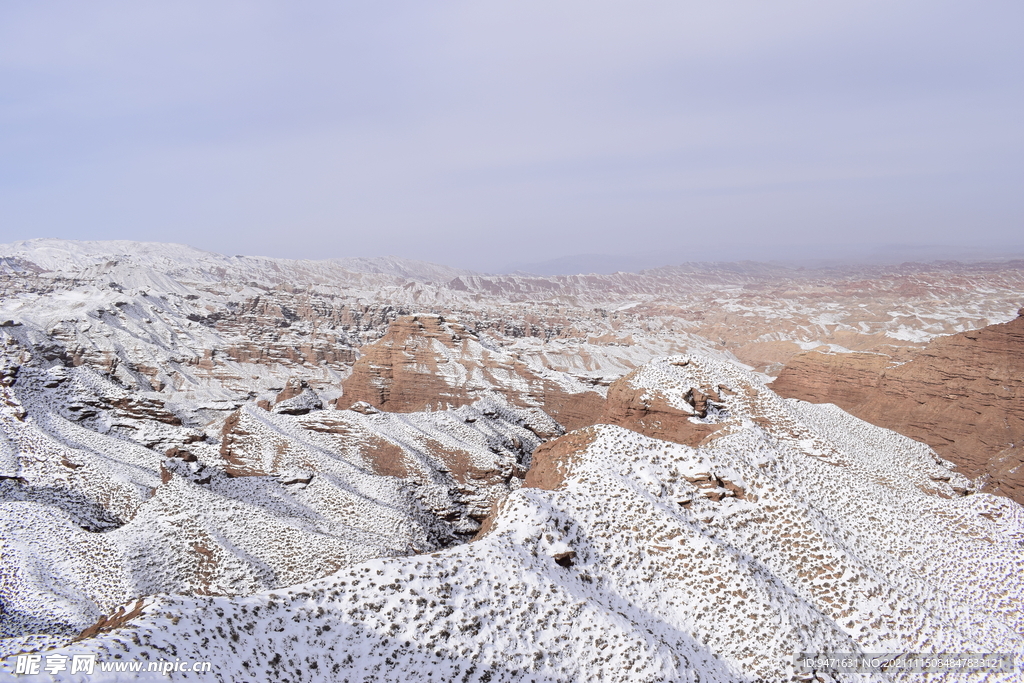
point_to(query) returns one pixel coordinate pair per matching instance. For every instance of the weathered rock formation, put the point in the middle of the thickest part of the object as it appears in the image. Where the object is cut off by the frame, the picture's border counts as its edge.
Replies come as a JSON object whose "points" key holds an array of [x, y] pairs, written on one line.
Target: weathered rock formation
{"points": [[646, 409], [425, 362], [963, 395], [553, 460], [456, 463]]}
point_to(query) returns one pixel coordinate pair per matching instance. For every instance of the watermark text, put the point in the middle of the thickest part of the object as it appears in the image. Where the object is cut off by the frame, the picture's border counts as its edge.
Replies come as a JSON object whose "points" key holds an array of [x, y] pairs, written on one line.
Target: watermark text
{"points": [[905, 662], [33, 664]]}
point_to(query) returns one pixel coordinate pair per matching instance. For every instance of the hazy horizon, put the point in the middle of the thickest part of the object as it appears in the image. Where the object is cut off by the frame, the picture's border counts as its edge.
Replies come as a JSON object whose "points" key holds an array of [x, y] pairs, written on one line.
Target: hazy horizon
{"points": [[572, 264], [497, 137]]}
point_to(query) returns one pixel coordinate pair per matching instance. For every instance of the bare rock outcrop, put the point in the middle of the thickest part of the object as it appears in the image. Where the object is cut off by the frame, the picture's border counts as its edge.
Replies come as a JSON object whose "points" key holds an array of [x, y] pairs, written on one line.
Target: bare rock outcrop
{"points": [[425, 362], [686, 418], [963, 395], [553, 460], [296, 399], [405, 370]]}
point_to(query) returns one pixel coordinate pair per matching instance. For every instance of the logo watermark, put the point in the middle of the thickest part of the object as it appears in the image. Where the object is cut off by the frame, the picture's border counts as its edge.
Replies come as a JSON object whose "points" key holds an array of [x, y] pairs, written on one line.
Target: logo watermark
{"points": [[32, 664], [905, 662]]}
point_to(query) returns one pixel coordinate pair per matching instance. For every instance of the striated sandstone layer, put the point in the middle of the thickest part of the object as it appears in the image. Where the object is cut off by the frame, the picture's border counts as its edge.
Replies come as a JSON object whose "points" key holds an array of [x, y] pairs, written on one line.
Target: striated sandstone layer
{"points": [[963, 395], [425, 362]]}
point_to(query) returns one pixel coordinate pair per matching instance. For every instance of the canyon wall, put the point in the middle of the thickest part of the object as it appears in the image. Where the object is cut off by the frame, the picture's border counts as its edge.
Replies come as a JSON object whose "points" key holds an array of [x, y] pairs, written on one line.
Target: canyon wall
{"points": [[963, 395]]}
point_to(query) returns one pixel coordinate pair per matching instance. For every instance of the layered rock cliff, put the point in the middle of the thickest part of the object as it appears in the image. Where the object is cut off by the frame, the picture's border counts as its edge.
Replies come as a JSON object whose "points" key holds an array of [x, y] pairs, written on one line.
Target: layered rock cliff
{"points": [[425, 362], [963, 395]]}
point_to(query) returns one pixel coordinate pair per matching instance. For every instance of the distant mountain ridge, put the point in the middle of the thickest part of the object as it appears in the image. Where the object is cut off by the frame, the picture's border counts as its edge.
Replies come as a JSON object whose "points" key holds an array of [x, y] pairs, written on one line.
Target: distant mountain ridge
{"points": [[180, 259]]}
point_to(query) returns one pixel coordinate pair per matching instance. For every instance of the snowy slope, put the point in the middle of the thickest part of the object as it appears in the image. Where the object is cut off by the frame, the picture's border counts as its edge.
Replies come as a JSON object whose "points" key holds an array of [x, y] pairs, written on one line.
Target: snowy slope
{"points": [[650, 561], [90, 519]]}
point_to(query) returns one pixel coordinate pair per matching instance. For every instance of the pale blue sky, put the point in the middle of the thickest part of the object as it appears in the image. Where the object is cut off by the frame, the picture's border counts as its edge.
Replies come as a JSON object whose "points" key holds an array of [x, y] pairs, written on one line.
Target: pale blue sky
{"points": [[483, 134]]}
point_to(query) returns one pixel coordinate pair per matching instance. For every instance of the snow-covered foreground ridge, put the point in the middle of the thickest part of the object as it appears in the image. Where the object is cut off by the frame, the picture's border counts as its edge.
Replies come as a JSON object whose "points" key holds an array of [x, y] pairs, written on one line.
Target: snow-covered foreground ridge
{"points": [[794, 528], [90, 521]]}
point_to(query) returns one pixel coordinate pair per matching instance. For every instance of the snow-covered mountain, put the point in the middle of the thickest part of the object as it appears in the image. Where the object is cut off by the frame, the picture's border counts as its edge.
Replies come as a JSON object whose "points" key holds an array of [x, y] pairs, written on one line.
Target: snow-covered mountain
{"points": [[198, 446]]}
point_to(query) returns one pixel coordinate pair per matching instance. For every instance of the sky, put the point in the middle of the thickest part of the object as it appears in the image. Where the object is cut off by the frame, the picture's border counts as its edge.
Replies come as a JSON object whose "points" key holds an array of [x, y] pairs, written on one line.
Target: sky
{"points": [[489, 135]]}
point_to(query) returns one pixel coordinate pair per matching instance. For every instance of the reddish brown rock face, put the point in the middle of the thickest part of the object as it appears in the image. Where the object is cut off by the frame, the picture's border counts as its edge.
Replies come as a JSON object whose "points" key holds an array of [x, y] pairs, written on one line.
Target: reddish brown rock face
{"points": [[963, 395], [237, 462], [400, 372], [292, 389], [646, 411], [425, 362], [552, 461], [573, 411]]}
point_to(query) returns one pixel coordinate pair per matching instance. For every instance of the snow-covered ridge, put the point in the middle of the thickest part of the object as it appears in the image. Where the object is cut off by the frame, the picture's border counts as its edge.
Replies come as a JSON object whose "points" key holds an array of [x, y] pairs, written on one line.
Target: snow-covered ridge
{"points": [[182, 261], [651, 561], [90, 519]]}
